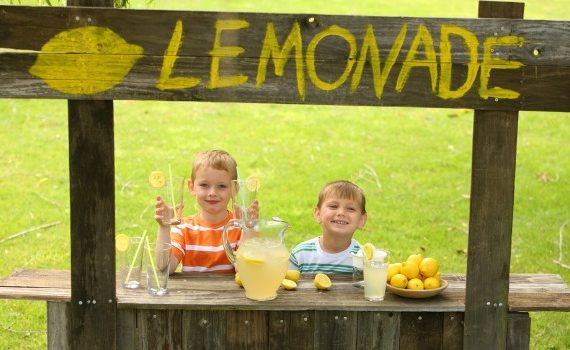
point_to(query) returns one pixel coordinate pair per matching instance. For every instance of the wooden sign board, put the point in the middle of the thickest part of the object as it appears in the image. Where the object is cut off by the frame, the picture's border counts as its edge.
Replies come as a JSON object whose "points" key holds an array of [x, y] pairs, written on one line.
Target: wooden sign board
{"points": [[90, 53]]}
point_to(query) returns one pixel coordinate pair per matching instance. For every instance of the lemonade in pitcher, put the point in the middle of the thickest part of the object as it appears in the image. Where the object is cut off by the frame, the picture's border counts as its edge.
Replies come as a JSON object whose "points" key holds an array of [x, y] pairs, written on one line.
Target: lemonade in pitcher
{"points": [[262, 264]]}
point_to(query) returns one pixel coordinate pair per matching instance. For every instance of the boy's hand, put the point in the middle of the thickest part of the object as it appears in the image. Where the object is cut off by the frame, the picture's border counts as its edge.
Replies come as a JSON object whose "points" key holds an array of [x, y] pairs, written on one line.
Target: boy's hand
{"points": [[162, 213], [253, 210]]}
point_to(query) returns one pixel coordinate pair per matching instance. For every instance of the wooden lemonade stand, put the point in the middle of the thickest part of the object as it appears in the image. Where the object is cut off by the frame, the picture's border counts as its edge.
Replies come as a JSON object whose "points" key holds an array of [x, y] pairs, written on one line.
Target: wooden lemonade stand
{"points": [[497, 65]]}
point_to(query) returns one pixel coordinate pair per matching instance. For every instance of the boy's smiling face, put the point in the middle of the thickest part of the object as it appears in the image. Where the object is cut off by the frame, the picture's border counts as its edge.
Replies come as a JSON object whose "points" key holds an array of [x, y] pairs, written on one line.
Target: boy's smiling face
{"points": [[340, 216], [212, 189]]}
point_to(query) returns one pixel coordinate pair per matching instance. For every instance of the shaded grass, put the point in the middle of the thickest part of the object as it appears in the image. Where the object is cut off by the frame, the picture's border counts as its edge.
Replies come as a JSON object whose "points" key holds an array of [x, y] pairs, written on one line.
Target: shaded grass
{"points": [[414, 165]]}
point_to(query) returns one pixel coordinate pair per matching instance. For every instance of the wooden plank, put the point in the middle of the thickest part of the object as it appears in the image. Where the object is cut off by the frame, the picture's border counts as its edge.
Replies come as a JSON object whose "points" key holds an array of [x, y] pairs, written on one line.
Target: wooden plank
{"points": [[292, 330], [378, 330], [491, 215], [336, 329], [159, 329], [246, 330], [204, 330], [204, 291], [518, 334], [58, 326], [452, 330], [541, 78], [127, 329], [421, 330]]}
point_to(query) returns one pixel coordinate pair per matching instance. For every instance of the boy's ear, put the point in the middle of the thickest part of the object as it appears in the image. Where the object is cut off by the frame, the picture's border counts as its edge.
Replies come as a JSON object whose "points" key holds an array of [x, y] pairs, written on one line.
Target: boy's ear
{"points": [[317, 214], [363, 219], [191, 186]]}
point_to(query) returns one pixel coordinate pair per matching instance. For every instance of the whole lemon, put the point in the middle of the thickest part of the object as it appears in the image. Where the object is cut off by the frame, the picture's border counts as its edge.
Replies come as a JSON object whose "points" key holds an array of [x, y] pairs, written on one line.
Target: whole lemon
{"points": [[416, 284], [429, 267], [399, 281], [410, 269], [392, 270], [417, 258], [431, 283], [293, 275]]}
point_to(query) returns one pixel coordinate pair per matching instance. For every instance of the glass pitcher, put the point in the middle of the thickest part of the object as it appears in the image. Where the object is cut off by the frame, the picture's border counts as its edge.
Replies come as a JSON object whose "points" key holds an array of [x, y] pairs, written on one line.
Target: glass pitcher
{"points": [[261, 259]]}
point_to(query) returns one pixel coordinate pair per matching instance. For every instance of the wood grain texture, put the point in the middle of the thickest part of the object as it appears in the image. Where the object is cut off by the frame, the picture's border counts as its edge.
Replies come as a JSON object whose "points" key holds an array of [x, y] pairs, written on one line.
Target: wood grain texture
{"points": [[58, 326], [378, 330], [336, 330], [421, 331], [203, 291], [491, 215], [542, 82], [204, 330]]}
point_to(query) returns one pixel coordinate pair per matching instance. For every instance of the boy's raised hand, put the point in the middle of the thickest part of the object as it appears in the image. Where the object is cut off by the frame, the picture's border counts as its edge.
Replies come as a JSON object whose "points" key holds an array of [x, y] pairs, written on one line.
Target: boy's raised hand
{"points": [[162, 212], [253, 210]]}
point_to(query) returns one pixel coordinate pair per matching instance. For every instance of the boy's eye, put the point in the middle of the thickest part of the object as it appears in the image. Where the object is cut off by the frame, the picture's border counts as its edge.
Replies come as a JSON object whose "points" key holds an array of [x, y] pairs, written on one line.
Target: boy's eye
{"points": [[203, 185], [333, 206], [223, 186], [351, 209]]}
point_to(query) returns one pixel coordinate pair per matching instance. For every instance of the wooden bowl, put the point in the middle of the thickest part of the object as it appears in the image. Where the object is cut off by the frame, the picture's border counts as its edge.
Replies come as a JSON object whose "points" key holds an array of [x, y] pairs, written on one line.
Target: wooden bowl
{"points": [[417, 294]]}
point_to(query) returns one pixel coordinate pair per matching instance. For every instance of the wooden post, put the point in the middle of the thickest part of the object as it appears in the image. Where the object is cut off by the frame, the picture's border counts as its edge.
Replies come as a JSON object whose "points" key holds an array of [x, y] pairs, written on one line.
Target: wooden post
{"points": [[491, 215], [92, 201]]}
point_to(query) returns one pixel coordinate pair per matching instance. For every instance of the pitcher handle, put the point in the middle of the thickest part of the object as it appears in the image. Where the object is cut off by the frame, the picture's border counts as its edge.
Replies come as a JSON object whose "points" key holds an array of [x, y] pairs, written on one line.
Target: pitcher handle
{"points": [[226, 243]]}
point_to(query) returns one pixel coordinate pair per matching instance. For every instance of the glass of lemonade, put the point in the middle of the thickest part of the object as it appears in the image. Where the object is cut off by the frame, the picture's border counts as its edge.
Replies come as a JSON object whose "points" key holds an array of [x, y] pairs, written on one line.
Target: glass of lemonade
{"points": [[375, 274]]}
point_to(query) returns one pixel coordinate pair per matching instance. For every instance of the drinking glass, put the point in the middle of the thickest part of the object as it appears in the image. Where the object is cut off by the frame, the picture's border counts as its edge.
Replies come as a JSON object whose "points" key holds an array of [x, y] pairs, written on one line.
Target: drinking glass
{"points": [[130, 263], [157, 266], [244, 193], [375, 274], [173, 196]]}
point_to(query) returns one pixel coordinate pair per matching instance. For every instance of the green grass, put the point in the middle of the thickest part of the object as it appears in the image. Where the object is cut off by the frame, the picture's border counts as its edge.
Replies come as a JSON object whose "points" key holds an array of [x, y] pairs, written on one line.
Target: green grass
{"points": [[414, 165]]}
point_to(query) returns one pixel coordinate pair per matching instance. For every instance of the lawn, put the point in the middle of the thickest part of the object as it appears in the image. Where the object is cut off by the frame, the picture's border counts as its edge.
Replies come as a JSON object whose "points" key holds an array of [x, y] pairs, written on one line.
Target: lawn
{"points": [[414, 165]]}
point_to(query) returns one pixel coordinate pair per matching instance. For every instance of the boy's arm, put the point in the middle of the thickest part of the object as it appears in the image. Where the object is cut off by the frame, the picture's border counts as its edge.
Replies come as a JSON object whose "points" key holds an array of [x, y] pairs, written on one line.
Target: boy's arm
{"points": [[163, 234]]}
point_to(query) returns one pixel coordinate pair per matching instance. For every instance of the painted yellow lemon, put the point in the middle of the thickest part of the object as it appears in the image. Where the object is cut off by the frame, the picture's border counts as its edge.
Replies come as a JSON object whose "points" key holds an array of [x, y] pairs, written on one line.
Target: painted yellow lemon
{"points": [[293, 275], [85, 61], [122, 242], [322, 281], [288, 284]]}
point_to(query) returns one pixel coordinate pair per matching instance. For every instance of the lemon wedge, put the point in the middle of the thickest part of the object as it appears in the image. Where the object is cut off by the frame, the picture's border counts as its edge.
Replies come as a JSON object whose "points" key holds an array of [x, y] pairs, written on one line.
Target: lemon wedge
{"points": [[157, 179], [237, 280], [293, 275], [254, 260], [288, 284], [368, 251], [322, 281], [122, 242]]}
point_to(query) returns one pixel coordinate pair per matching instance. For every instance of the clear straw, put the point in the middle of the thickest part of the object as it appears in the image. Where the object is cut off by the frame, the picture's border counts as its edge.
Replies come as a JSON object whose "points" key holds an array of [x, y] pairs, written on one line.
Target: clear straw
{"points": [[136, 255]]}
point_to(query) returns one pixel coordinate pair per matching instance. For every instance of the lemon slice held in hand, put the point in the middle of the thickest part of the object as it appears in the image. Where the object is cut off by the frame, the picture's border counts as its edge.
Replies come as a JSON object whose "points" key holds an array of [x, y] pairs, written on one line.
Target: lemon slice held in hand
{"points": [[122, 242], [322, 281], [157, 179]]}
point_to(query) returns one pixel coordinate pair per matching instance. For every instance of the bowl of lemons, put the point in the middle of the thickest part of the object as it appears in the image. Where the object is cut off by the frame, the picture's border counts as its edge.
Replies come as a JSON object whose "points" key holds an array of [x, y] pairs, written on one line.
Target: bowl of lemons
{"points": [[417, 278]]}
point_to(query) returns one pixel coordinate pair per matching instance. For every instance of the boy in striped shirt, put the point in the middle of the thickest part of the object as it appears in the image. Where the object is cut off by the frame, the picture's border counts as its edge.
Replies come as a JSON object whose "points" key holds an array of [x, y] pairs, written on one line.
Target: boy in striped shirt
{"points": [[340, 210], [197, 241]]}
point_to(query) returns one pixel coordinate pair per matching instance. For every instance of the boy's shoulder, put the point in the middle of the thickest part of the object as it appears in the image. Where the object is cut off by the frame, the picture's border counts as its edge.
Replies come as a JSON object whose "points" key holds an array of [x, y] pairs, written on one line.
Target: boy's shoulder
{"points": [[308, 245]]}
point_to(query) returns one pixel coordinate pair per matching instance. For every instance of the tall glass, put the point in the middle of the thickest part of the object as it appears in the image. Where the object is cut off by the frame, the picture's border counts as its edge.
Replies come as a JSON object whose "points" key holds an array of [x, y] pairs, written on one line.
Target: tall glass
{"points": [[173, 196], [157, 267], [375, 275], [244, 194]]}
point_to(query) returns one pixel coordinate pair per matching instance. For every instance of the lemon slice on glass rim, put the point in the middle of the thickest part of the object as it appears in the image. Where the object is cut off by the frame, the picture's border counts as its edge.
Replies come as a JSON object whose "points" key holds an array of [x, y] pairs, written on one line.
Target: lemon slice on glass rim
{"points": [[157, 179], [368, 251], [122, 242], [252, 183]]}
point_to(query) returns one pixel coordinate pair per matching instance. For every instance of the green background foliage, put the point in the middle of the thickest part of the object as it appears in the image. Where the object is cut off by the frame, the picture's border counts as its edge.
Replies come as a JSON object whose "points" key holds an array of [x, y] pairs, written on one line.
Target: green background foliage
{"points": [[414, 165]]}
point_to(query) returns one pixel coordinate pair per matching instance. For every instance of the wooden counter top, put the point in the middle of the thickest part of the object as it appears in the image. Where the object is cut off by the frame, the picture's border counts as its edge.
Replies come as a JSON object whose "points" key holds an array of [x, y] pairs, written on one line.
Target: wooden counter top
{"points": [[205, 291]]}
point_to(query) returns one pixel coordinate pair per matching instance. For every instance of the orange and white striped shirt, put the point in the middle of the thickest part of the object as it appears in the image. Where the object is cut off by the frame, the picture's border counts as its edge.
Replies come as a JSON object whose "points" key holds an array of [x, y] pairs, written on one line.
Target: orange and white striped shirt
{"points": [[199, 247]]}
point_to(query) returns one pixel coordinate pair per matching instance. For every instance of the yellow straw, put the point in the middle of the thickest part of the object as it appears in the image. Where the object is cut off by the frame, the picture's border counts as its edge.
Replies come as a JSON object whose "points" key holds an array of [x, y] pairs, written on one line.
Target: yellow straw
{"points": [[172, 190], [135, 257], [152, 263]]}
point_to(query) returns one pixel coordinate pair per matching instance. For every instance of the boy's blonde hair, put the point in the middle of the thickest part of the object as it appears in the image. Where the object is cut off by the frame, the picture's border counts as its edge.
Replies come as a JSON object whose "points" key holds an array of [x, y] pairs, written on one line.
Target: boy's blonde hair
{"points": [[343, 189], [217, 159]]}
